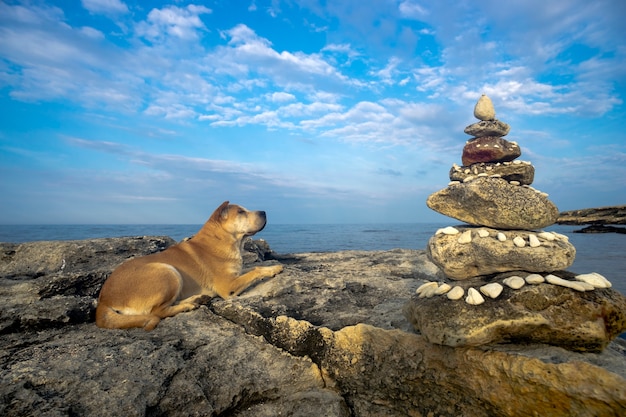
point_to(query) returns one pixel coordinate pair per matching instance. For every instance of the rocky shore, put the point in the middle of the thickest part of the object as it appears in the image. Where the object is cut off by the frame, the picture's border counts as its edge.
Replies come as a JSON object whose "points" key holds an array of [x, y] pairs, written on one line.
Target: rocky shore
{"points": [[327, 337], [600, 219]]}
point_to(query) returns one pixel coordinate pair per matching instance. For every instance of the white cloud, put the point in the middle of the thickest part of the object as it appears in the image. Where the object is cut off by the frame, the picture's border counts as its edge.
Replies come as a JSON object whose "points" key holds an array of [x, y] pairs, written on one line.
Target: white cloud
{"points": [[105, 6], [411, 9], [250, 54], [182, 23], [387, 74], [281, 97], [92, 33]]}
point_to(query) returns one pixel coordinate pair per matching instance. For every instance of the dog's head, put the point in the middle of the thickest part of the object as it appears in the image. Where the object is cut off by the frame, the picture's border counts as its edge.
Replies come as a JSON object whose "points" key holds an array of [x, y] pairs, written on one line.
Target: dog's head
{"points": [[238, 221]]}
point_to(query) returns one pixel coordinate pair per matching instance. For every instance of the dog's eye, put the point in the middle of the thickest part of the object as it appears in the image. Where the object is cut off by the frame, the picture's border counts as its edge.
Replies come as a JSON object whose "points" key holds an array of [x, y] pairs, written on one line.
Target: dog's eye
{"points": [[241, 211]]}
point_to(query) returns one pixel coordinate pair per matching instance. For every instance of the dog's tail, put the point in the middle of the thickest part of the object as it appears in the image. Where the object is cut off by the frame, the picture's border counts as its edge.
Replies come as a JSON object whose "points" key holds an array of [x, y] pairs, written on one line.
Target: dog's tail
{"points": [[109, 318]]}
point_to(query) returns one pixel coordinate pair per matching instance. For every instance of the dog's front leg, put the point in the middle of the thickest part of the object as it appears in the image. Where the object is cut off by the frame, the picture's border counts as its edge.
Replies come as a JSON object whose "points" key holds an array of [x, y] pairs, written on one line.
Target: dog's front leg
{"points": [[242, 282]]}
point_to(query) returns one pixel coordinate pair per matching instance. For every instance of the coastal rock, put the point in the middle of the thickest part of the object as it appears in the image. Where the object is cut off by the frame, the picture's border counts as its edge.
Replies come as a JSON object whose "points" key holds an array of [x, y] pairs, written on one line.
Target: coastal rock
{"points": [[328, 334], [494, 202], [484, 110], [598, 216], [484, 256], [488, 128], [522, 172], [489, 149], [600, 228], [543, 313]]}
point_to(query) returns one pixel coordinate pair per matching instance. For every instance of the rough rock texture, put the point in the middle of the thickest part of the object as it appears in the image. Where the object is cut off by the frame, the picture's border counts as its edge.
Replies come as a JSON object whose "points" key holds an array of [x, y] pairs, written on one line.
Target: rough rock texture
{"points": [[291, 345], [493, 202], [522, 172], [488, 255], [489, 149], [488, 128], [601, 215], [543, 313]]}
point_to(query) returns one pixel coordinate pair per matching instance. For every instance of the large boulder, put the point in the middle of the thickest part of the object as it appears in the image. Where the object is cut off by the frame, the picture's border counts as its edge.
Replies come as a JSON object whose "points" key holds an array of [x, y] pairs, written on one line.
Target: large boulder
{"points": [[476, 251], [496, 203], [325, 337], [542, 313]]}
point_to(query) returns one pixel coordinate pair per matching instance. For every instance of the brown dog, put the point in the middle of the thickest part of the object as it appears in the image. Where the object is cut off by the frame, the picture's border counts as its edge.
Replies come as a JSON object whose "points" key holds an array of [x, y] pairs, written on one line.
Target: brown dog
{"points": [[142, 291]]}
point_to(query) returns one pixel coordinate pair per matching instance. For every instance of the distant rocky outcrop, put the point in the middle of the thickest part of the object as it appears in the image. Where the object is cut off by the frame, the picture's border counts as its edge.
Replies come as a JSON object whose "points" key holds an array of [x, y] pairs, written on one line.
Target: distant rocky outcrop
{"points": [[599, 219], [327, 337]]}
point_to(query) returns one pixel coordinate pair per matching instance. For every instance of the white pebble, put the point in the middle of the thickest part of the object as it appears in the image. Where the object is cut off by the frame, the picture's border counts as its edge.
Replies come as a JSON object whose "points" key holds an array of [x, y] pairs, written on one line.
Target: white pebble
{"points": [[587, 286], [473, 297], [482, 174], [514, 182], [450, 230], [468, 179], [483, 232], [535, 279], [455, 293], [595, 279], [608, 283], [554, 280], [454, 183], [517, 162], [533, 241], [427, 290], [561, 237], [519, 242], [443, 288], [501, 237], [514, 282], [547, 236], [492, 290], [466, 237]]}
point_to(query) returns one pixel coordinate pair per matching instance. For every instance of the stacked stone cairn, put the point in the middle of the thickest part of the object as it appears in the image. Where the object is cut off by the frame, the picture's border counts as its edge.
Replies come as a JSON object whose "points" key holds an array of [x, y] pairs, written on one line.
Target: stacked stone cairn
{"points": [[500, 249]]}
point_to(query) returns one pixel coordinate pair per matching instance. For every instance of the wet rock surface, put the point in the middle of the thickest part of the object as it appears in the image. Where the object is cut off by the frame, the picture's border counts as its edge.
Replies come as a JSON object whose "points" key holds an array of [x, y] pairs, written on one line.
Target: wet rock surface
{"points": [[326, 337]]}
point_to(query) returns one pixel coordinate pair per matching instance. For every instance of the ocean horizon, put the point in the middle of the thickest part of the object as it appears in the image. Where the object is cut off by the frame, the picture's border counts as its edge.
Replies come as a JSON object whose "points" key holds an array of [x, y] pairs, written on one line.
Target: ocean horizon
{"points": [[604, 253]]}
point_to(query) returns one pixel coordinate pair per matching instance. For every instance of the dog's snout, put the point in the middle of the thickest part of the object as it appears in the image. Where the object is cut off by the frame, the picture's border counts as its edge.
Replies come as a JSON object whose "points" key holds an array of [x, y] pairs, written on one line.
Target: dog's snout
{"points": [[262, 214]]}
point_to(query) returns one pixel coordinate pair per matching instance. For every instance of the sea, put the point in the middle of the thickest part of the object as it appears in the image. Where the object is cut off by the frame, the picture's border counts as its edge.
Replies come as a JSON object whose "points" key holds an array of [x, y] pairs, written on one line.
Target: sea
{"points": [[604, 253]]}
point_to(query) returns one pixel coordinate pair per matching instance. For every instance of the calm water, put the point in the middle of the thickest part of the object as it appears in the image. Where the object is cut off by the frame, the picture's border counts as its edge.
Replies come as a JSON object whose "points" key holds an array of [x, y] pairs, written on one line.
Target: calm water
{"points": [[603, 253]]}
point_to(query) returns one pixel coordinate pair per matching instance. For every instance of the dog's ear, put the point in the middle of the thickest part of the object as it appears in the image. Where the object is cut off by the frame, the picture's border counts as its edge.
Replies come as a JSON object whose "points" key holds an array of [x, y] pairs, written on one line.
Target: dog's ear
{"points": [[221, 212]]}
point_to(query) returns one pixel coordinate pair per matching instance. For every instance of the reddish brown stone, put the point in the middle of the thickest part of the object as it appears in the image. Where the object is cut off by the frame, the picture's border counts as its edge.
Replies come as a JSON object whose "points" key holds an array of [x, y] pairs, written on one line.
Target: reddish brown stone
{"points": [[490, 149]]}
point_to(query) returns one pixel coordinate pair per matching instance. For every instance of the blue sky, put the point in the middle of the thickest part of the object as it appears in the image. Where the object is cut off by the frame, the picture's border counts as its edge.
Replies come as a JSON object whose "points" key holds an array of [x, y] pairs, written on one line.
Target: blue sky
{"points": [[352, 111]]}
